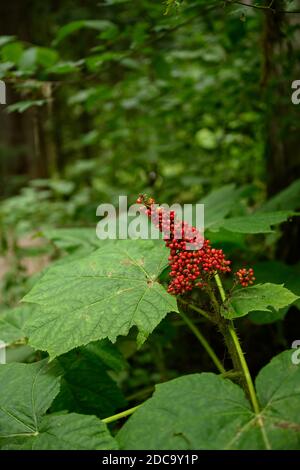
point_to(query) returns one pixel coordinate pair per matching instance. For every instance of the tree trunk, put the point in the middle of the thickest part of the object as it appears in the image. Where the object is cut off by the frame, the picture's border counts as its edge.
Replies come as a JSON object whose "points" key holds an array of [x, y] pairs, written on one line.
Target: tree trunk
{"points": [[282, 148]]}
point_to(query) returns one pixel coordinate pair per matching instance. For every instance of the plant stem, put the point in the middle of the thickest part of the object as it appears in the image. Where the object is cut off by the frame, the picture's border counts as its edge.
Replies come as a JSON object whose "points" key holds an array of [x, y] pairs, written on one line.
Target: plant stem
{"points": [[231, 374], [197, 309], [214, 301], [239, 352], [220, 287], [245, 368], [121, 415], [204, 343]]}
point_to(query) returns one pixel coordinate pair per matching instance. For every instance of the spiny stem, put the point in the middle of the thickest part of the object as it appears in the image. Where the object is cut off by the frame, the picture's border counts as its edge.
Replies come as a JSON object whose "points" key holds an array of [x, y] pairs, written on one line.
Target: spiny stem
{"points": [[204, 343], [197, 309], [213, 299], [239, 351], [121, 415]]}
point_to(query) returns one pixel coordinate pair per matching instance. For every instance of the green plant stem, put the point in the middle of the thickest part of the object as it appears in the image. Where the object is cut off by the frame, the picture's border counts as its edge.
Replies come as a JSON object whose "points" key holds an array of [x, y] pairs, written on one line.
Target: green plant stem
{"points": [[214, 302], [245, 368], [231, 374], [196, 309], [121, 415], [220, 287], [203, 342], [239, 352]]}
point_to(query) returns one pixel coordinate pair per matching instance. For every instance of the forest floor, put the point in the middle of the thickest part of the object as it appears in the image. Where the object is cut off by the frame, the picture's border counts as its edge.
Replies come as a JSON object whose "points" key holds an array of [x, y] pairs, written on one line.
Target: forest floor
{"points": [[31, 264]]}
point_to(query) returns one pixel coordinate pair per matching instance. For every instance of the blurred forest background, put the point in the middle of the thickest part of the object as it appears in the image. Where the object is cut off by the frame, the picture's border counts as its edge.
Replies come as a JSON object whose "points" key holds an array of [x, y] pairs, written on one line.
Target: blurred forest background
{"points": [[187, 101]]}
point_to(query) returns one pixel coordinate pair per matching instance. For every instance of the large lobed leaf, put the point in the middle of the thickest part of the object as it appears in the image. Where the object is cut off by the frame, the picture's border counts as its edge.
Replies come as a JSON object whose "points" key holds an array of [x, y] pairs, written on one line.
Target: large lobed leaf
{"points": [[66, 432], [100, 296], [212, 413], [12, 323], [27, 391], [262, 297]]}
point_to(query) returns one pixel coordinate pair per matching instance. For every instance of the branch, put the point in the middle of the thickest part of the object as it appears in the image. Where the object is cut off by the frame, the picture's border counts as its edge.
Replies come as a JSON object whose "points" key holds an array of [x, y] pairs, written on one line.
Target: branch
{"points": [[203, 342], [263, 7]]}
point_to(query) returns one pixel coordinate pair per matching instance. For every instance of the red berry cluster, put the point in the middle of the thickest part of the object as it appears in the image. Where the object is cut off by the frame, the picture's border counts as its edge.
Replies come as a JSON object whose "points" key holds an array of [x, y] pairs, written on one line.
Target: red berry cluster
{"points": [[245, 276], [192, 259]]}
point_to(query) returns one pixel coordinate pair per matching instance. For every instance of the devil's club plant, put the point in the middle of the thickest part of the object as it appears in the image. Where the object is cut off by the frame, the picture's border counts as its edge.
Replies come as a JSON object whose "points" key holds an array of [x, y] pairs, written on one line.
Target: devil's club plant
{"points": [[85, 301]]}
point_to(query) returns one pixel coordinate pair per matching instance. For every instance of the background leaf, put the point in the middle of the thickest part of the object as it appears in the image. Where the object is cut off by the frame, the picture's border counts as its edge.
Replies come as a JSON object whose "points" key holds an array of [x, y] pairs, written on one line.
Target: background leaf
{"points": [[287, 199], [218, 204], [70, 28], [257, 222], [86, 386]]}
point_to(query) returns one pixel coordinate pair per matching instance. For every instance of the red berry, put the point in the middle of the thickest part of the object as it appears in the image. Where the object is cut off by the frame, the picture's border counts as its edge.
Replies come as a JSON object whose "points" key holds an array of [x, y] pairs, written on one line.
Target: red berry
{"points": [[189, 268], [245, 276]]}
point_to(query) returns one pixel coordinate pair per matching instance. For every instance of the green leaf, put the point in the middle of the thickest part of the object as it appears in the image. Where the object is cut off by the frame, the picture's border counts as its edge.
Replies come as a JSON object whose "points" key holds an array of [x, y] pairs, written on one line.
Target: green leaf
{"points": [[34, 56], [206, 139], [12, 323], [278, 390], [86, 386], [288, 199], [228, 241], [62, 187], [219, 203], [108, 354], [70, 239], [199, 411], [6, 39], [70, 28], [46, 57], [262, 297], [28, 59], [277, 273], [213, 413], [12, 52], [4, 67], [67, 432], [22, 106], [100, 296], [96, 61], [27, 391], [257, 222], [65, 67]]}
